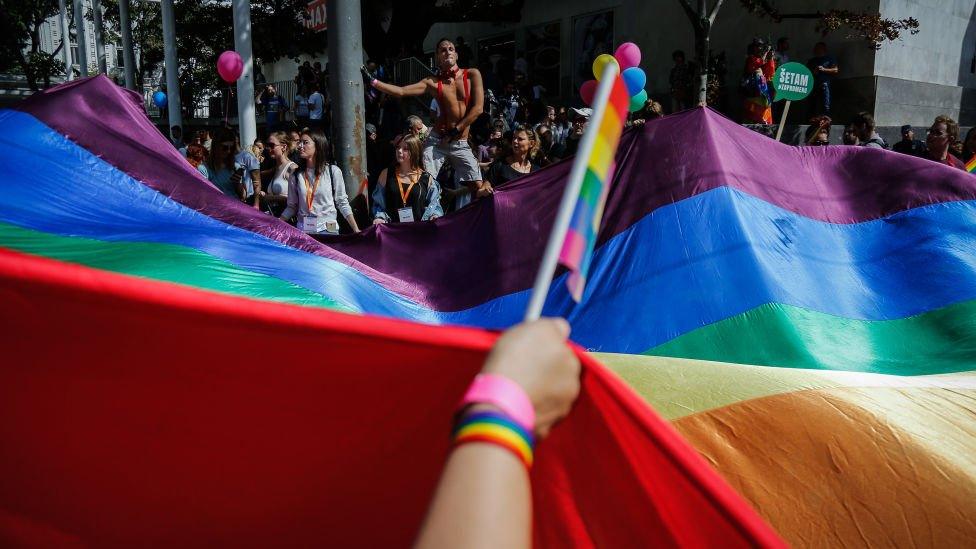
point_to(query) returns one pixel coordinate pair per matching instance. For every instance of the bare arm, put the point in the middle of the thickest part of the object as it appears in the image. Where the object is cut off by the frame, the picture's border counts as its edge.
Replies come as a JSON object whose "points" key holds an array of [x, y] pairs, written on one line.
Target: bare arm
{"points": [[484, 498], [256, 181], [413, 90], [478, 105]]}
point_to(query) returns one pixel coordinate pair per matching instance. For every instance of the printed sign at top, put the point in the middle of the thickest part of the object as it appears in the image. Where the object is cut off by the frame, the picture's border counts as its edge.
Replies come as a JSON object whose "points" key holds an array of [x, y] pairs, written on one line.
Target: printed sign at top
{"points": [[792, 82], [316, 16]]}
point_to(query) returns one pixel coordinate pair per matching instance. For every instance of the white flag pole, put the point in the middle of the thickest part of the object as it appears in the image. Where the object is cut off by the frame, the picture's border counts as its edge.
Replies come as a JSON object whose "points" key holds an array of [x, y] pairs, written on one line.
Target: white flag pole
{"points": [[551, 256]]}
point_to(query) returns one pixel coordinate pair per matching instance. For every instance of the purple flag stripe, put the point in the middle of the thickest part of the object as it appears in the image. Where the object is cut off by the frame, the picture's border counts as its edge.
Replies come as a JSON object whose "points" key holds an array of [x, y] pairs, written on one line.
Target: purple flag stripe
{"points": [[491, 248]]}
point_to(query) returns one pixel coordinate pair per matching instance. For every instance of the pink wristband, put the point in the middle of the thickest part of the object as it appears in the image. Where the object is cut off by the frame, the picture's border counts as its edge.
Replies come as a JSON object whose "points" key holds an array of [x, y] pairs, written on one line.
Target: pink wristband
{"points": [[503, 393], [373, 82]]}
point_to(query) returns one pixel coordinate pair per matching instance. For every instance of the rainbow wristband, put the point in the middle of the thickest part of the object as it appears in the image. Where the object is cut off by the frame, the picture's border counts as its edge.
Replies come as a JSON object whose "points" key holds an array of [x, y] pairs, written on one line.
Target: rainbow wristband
{"points": [[498, 429]]}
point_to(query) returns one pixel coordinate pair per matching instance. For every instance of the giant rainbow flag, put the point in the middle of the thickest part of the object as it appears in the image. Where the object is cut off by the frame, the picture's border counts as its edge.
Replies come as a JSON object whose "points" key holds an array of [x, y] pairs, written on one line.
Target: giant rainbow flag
{"points": [[803, 317]]}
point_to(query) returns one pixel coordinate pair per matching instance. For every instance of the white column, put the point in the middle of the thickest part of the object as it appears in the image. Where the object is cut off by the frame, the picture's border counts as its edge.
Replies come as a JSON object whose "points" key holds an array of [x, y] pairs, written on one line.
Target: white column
{"points": [[65, 39], [99, 41], [172, 65], [128, 59], [245, 84], [81, 37]]}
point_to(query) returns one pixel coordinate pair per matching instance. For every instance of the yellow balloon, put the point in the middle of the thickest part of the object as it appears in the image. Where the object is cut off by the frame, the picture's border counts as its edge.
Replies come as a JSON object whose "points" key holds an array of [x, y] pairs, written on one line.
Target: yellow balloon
{"points": [[600, 63]]}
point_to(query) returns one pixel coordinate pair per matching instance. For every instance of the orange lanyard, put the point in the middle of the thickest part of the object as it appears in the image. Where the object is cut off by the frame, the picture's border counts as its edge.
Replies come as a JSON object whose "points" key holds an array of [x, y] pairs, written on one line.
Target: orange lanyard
{"points": [[310, 192], [404, 195]]}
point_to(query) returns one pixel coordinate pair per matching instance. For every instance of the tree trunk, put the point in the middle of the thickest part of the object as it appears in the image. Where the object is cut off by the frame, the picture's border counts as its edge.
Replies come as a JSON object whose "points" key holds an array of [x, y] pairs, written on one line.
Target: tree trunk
{"points": [[701, 57]]}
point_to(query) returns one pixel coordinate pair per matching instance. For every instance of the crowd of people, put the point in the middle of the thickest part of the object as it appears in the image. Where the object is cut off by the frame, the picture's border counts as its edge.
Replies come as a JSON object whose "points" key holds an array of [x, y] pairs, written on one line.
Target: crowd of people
{"points": [[942, 139], [478, 141]]}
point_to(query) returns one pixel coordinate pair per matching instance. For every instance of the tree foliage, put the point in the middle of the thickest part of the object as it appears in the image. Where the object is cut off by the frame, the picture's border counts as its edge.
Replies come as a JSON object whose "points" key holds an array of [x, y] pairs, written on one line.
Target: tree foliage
{"points": [[20, 41], [868, 26], [204, 30]]}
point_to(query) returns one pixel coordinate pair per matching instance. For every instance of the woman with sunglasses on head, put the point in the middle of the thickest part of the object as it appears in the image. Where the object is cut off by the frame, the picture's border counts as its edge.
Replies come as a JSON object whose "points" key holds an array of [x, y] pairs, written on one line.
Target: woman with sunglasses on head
{"points": [[317, 193], [276, 197]]}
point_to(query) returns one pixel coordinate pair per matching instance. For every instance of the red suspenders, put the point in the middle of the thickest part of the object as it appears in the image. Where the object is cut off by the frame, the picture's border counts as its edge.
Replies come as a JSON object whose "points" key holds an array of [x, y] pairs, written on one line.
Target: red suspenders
{"points": [[464, 84]]}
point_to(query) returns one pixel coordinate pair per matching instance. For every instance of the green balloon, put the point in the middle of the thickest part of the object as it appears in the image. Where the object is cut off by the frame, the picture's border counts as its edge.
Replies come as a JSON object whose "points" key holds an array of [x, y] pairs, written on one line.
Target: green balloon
{"points": [[637, 101]]}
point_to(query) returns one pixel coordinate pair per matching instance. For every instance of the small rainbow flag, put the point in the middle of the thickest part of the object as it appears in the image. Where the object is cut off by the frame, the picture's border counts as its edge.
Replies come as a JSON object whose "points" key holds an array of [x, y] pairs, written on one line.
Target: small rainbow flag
{"points": [[580, 238], [971, 165]]}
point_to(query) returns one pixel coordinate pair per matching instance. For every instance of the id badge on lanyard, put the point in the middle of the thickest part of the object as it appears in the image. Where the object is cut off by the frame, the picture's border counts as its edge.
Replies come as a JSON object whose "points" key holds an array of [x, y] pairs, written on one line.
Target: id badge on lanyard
{"points": [[405, 215], [406, 212], [310, 224]]}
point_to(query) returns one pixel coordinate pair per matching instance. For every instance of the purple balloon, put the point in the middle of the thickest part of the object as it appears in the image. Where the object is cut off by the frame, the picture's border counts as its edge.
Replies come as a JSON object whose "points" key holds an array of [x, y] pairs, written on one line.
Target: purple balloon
{"points": [[588, 90], [628, 55], [230, 66], [634, 79]]}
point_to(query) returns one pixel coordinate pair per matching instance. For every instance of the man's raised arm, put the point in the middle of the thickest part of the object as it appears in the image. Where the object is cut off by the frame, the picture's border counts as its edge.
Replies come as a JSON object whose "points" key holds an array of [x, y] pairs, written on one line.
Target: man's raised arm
{"points": [[417, 88]]}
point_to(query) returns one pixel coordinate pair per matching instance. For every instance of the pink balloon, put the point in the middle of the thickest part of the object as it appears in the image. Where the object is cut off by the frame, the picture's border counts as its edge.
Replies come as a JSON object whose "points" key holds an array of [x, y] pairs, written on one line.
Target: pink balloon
{"points": [[230, 66], [588, 90], [628, 55]]}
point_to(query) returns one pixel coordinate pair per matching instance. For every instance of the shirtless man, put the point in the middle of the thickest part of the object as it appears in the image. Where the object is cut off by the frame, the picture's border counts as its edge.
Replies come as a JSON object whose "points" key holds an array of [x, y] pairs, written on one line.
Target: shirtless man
{"points": [[460, 95]]}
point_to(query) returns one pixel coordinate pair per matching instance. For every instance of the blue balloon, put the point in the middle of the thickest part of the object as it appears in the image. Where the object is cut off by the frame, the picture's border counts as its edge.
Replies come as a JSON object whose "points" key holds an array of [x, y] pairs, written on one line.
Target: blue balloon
{"points": [[634, 79], [159, 99]]}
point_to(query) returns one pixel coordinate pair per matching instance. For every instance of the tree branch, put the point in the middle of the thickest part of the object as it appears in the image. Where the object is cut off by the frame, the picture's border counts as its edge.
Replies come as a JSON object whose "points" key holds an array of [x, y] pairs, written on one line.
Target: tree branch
{"points": [[711, 16], [689, 11]]}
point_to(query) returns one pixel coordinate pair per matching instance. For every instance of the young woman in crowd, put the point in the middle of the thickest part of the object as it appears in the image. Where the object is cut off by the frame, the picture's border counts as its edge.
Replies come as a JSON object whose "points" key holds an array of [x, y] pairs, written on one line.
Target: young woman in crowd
{"points": [[544, 155], [317, 193], [220, 164], [941, 135], [257, 149], [276, 197], [196, 155], [519, 161], [405, 192]]}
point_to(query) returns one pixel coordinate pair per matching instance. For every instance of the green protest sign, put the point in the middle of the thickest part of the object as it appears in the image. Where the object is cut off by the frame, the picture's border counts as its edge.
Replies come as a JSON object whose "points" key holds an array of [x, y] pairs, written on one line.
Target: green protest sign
{"points": [[792, 82]]}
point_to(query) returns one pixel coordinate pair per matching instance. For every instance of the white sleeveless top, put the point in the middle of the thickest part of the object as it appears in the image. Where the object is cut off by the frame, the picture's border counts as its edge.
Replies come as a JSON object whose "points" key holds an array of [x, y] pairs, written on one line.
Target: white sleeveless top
{"points": [[279, 185]]}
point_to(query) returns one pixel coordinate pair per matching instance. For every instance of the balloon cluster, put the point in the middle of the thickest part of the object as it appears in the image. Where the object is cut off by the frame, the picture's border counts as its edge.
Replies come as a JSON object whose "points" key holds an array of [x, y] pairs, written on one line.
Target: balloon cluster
{"points": [[627, 58], [230, 66]]}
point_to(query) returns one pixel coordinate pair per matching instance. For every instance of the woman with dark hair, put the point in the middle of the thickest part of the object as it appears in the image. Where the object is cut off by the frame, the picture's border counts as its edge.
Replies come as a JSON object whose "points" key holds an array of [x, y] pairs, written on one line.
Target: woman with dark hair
{"points": [[220, 164], [518, 162], [317, 192], [544, 155], [405, 192]]}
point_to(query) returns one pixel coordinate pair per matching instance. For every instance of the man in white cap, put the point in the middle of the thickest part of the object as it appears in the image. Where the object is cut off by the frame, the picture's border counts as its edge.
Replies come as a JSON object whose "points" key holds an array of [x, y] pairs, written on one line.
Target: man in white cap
{"points": [[579, 119]]}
